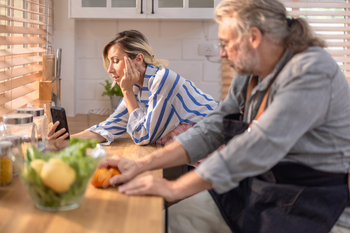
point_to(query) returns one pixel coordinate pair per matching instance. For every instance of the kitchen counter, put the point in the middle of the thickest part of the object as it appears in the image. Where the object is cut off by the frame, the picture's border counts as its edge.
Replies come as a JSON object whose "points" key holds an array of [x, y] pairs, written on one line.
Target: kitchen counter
{"points": [[101, 210]]}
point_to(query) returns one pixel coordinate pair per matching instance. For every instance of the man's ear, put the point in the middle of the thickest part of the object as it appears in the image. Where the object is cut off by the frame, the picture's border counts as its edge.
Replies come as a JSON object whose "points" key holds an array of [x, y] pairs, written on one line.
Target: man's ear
{"points": [[255, 37], [139, 59]]}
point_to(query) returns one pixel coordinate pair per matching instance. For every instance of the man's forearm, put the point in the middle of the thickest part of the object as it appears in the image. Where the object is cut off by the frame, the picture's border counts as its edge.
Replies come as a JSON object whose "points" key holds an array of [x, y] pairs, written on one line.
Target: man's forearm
{"points": [[188, 185], [171, 155]]}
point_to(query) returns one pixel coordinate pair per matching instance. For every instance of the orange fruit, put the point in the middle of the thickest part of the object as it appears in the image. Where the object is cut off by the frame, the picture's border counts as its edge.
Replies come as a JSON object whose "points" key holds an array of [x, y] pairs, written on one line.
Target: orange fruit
{"points": [[102, 175]]}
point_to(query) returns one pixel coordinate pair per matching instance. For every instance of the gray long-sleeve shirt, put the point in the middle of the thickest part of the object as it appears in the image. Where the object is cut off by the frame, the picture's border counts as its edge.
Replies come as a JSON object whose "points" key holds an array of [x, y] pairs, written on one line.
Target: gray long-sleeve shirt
{"points": [[307, 120]]}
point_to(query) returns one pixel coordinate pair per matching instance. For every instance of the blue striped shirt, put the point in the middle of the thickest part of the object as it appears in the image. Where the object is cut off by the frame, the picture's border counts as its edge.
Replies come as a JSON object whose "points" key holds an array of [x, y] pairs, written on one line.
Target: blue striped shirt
{"points": [[165, 100]]}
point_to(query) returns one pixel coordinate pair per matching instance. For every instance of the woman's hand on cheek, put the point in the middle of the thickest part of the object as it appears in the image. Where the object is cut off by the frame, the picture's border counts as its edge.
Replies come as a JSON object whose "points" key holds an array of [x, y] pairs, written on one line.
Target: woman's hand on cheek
{"points": [[131, 75]]}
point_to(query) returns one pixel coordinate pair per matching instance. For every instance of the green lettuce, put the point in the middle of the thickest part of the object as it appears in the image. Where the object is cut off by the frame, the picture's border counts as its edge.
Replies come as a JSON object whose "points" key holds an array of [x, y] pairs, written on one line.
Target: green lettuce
{"points": [[75, 156]]}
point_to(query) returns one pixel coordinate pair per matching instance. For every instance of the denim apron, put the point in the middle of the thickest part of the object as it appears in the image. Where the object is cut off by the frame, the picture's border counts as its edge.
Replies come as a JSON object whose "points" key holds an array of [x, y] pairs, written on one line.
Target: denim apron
{"points": [[290, 197]]}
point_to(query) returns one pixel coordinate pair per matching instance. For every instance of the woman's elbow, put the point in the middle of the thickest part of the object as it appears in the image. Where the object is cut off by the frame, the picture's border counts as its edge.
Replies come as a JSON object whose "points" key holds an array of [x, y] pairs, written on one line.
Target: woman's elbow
{"points": [[141, 141]]}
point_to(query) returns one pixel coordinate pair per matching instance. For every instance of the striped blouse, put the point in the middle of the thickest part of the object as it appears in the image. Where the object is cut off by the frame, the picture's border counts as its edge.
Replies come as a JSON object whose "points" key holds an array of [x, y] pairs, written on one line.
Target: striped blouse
{"points": [[165, 100]]}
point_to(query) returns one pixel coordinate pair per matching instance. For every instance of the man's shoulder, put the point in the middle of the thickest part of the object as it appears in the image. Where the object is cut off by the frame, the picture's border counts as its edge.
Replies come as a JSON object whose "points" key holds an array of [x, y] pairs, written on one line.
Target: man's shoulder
{"points": [[314, 60], [311, 65], [314, 53]]}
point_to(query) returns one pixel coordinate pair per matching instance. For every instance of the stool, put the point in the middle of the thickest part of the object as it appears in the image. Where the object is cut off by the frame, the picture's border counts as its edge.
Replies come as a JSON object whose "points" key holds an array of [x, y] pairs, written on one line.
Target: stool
{"points": [[100, 111]]}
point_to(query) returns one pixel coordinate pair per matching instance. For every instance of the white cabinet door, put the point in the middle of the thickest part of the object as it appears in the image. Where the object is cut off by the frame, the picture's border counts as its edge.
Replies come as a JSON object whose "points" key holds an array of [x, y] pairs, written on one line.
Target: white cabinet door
{"points": [[133, 9], [181, 9], [107, 9]]}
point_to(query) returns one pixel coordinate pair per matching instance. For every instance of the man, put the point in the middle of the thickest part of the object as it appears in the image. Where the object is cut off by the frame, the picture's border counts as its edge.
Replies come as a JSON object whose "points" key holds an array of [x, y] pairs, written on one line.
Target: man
{"points": [[288, 171]]}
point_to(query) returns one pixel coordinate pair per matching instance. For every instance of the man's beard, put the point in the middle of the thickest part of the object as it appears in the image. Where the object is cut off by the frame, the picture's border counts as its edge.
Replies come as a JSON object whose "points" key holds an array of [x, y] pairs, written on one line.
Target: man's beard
{"points": [[246, 59]]}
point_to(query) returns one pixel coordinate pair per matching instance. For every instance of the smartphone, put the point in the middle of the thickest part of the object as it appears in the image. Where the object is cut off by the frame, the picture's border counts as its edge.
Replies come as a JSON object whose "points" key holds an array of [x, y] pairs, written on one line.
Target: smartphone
{"points": [[59, 114]]}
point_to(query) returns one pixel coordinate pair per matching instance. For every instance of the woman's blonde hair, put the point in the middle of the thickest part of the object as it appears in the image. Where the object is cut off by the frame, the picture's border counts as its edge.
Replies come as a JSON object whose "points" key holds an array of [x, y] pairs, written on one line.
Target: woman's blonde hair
{"points": [[270, 17], [133, 42]]}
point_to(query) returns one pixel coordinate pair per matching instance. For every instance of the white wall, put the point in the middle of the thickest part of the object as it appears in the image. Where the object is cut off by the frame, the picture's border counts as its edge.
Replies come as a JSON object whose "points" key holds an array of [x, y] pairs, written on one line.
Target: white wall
{"points": [[64, 38], [174, 40]]}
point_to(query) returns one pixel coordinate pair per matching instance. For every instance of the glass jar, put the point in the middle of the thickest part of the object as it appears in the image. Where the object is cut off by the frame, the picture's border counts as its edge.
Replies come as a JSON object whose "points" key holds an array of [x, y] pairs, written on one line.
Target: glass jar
{"points": [[15, 145], [5, 163], [39, 119], [3, 130], [22, 125], [45, 104]]}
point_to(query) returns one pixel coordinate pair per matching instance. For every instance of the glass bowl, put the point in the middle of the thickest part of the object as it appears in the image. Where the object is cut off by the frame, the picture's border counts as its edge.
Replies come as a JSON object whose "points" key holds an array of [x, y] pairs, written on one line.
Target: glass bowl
{"points": [[56, 179]]}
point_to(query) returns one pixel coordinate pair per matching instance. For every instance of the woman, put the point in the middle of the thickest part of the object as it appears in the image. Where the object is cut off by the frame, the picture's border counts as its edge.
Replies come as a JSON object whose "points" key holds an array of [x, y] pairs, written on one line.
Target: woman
{"points": [[156, 99]]}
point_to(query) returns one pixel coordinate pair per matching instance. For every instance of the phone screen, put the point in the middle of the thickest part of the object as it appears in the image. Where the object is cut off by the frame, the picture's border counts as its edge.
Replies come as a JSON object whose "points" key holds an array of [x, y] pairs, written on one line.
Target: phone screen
{"points": [[59, 114]]}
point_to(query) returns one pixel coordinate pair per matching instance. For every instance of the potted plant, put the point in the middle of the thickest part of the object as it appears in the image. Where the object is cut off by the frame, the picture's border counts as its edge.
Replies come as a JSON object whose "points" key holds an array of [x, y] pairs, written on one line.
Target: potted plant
{"points": [[115, 93]]}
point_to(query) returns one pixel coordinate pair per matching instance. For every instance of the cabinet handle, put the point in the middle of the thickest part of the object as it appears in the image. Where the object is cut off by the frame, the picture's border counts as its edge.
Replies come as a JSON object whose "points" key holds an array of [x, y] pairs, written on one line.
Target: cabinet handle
{"points": [[141, 12], [152, 6]]}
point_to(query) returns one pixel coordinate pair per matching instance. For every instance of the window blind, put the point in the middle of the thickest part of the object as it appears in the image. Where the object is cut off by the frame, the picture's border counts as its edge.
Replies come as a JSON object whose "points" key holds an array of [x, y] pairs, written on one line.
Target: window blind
{"points": [[26, 33], [329, 19]]}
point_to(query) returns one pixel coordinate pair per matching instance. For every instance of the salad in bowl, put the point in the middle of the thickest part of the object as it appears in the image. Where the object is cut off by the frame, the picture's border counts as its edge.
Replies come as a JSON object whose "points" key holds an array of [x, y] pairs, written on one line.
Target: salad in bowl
{"points": [[56, 179]]}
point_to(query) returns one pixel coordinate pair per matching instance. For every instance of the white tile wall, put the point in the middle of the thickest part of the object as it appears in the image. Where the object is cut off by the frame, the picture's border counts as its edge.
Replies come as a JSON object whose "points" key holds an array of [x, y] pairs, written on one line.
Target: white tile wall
{"points": [[191, 70], [90, 69], [149, 28], [181, 29], [166, 49], [96, 29], [86, 89], [190, 50], [86, 49], [175, 40], [213, 28], [211, 72]]}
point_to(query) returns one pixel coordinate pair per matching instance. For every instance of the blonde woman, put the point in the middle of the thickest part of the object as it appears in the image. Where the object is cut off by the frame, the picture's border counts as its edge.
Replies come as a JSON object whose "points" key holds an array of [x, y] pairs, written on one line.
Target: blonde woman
{"points": [[158, 103]]}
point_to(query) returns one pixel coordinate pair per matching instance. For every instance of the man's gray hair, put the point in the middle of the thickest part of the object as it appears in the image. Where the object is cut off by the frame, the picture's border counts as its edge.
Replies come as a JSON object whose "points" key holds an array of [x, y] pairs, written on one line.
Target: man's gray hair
{"points": [[270, 17]]}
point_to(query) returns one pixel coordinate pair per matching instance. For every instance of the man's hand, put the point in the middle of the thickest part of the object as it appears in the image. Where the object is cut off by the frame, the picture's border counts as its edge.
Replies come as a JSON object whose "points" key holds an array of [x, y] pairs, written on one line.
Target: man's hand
{"points": [[150, 185], [185, 186], [127, 167]]}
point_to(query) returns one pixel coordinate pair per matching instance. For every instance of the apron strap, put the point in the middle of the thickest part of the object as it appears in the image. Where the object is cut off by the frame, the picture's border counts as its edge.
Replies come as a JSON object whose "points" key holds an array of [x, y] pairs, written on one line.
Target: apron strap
{"points": [[349, 183], [253, 82]]}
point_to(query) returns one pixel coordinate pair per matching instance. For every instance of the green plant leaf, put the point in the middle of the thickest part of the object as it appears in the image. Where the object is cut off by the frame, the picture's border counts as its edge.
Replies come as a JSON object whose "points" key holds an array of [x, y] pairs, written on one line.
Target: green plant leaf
{"points": [[116, 90]]}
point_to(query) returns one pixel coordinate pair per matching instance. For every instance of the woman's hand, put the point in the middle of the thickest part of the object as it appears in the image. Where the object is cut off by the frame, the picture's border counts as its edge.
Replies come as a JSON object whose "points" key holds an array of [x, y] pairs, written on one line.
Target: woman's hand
{"points": [[52, 135], [150, 185], [131, 75], [127, 167]]}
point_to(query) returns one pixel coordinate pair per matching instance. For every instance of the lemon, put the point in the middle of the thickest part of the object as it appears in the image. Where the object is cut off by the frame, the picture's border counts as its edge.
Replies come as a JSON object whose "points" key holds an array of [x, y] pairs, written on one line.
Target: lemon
{"points": [[37, 165], [57, 175]]}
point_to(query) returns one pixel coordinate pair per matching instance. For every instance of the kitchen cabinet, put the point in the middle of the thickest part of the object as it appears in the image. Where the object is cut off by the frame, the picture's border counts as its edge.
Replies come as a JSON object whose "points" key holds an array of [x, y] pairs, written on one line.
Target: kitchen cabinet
{"points": [[134, 9]]}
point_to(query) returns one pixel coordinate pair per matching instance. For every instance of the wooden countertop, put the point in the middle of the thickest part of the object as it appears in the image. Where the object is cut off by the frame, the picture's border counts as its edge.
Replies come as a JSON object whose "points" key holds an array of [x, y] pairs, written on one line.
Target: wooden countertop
{"points": [[101, 210]]}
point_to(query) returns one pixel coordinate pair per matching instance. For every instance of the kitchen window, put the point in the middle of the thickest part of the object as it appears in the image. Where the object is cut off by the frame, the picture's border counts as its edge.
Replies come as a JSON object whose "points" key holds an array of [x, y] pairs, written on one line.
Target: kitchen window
{"points": [[26, 33]]}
